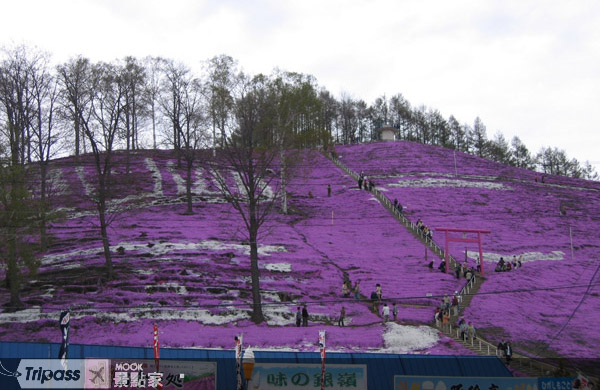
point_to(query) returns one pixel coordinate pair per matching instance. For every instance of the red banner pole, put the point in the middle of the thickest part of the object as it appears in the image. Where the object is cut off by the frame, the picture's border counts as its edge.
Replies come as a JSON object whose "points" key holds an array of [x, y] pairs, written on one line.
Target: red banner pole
{"points": [[238, 362], [157, 353]]}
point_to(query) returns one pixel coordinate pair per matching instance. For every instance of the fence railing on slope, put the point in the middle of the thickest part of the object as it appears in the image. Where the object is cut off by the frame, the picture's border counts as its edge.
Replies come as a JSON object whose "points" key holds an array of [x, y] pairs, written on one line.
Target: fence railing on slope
{"points": [[483, 345], [388, 204]]}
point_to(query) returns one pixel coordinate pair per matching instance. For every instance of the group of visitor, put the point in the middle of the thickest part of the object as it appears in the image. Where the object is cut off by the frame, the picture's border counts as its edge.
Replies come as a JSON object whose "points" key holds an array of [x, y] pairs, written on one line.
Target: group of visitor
{"points": [[442, 321], [302, 316], [464, 270], [423, 230], [385, 312], [376, 299], [348, 288], [505, 350], [467, 331], [365, 183], [504, 266]]}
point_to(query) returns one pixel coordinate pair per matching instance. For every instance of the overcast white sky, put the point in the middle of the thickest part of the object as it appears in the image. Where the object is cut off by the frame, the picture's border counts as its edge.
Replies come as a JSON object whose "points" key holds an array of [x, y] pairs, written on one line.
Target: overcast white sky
{"points": [[526, 68]]}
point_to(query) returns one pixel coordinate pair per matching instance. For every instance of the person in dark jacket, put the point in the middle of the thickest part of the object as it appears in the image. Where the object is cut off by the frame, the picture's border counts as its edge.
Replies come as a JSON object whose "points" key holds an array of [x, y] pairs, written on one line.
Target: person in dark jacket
{"points": [[304, 316], [502, 348], [298, 317], [342, 316], [508, 352]]}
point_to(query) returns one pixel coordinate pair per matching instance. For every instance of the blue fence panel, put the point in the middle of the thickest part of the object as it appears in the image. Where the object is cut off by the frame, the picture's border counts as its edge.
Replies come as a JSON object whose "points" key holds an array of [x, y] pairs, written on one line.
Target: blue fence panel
{"points": [[381, 368], [488, 366]]}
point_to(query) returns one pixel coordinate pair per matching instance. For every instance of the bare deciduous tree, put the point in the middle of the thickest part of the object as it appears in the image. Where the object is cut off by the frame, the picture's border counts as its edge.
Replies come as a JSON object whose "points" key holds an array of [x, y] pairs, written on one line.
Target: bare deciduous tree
{"points": [[100, 126], [249, 153]]}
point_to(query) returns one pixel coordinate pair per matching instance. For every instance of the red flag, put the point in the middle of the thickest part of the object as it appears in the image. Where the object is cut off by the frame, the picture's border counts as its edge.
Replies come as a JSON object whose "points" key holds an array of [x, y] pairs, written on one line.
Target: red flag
{"points": [[238, 361], [157, 353]]}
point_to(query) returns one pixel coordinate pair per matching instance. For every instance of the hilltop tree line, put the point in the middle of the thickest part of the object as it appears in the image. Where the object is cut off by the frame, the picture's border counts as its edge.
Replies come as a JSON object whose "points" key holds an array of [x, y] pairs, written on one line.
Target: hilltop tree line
{"points": [[237, 126], [222, 119], [160, 100]]}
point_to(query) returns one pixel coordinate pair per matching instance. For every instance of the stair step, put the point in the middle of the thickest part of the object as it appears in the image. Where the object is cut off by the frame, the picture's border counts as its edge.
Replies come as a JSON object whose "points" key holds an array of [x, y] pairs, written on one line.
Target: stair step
{"points": [[532, 371]]}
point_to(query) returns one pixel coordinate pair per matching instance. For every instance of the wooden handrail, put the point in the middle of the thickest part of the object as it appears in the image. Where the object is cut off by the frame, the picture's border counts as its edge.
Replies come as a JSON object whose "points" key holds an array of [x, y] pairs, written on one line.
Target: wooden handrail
{"points": [[539, 365]]}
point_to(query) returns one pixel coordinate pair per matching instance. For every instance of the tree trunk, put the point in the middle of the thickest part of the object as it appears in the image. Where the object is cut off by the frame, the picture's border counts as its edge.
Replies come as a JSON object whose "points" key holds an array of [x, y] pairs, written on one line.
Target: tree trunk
{"points": [[43, 200], [77, 130], [13, 275], [257, 314], [284, 208], [153, 126], [104, 230], [188, 186]]}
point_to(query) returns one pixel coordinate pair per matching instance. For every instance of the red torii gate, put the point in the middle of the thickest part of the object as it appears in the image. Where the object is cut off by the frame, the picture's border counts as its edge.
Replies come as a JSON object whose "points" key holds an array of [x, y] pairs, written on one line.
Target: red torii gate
{"points": [[450, 238]]}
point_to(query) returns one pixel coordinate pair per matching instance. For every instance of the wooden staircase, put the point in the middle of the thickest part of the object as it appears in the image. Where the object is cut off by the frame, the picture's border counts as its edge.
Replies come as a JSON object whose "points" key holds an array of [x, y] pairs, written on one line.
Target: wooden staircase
{"points": [[411, 227]]}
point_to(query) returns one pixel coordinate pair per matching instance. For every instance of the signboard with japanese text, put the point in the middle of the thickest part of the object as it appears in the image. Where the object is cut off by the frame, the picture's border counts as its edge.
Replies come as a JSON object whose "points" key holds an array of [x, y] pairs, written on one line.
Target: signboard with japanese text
{"points": [[173, 375], [271, 376], [555, 383], [402, 382]]}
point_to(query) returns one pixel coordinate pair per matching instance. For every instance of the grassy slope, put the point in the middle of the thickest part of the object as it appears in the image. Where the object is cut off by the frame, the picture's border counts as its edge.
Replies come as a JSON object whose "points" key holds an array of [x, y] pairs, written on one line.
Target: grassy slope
{"points": [[524, 218], [190, 273]]}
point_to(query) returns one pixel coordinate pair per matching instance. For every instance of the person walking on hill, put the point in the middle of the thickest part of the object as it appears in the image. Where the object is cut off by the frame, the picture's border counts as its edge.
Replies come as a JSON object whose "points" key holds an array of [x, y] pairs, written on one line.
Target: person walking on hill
{"points": [[455, 307], [472, 334], [298, 317], [446, 302], [304, 316], [446, 321], [395, 311], [342, 316], [502, 348], [345, 289], [385, 312], [508, 352], [328, 190], [464, 328], [356, 290]]}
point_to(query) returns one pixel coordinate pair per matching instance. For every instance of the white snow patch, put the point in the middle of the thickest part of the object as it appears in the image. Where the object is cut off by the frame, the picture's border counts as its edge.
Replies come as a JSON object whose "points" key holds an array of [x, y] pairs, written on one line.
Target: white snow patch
{"points": [[278, 316], [167, 247], [271, 296], [404, 339], [200, 186], [179, 181], [279, 267], [156, 175], [181, 290], [526, 256], [89, 189], [57, 184], [71, 266], [144, 271], [133, 314], [433, 182], [267, 191]]}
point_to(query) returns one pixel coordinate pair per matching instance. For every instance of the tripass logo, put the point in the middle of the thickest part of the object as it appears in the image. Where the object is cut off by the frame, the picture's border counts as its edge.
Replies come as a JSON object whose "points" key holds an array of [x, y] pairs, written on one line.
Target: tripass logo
{"points": [[51, 374]]}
